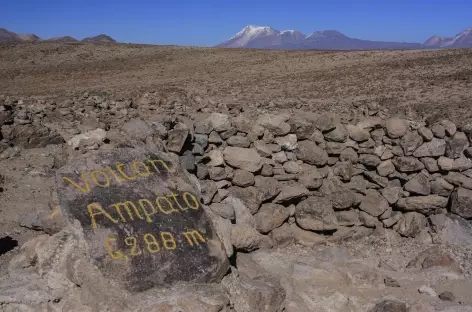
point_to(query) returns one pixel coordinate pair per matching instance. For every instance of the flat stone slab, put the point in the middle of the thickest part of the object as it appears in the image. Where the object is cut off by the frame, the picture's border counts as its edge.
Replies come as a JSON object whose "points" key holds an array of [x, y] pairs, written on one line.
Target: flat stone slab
{"points": [[141, 218]]}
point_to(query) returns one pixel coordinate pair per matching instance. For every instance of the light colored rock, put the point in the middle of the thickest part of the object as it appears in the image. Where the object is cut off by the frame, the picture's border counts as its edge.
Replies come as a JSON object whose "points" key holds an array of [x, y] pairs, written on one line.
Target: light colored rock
{"points": [[89, 138], [223, 210], [275, 123], [392, 194], [290, 192], [445, 163], [441, 187], [419, 185], [270, 216], [462, 203], [251, 196], [458, 179], [248, 238], [243, 178], [396, 127], [373, 203], [216, 158], [410, 142], [426, 290], [422, 203], [238, 141], [385, 168], [288, 142], [242, 214], [220, 122], [243, 158], [430, 164], [411, 224], [316, 213], [461, 164], [435, 147], [307, 238], [456, 145], [310, 153], [449, 127], [292, 167], [358, 134], [426, 133]]}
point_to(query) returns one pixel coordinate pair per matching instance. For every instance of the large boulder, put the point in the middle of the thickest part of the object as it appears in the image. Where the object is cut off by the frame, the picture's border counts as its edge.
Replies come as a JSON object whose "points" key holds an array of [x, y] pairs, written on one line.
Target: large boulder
{"points": [[422, 203], [462, 203], [374, 203], [311, 153], [407, 164], [316, 213], [141, 218], [433, 148], [396, 127]]}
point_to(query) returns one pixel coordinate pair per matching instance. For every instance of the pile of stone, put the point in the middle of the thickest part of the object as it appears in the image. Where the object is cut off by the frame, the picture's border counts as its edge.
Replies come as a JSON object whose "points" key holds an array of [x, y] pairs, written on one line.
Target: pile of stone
{"points": [[277, 178]]}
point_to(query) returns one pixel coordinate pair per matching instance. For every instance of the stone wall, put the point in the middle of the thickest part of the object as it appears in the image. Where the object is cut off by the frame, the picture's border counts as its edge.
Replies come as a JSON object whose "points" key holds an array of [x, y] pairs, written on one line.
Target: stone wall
{"points": [[278, 178]]}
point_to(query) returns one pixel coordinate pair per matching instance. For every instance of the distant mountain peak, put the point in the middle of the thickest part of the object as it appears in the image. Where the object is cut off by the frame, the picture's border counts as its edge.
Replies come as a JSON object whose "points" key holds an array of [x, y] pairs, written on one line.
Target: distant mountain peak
{"points": [[100, 38]]}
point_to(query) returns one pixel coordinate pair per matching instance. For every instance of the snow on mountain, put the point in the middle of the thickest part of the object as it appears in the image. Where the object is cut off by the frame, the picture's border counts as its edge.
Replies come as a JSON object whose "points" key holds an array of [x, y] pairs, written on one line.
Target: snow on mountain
{"points": [[436, 42], [462, 40], [254, 37]]}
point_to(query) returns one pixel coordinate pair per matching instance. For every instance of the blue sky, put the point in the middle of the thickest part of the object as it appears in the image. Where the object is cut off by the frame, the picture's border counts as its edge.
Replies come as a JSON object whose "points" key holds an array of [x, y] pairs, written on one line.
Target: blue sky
{"points": [[209, 22]]}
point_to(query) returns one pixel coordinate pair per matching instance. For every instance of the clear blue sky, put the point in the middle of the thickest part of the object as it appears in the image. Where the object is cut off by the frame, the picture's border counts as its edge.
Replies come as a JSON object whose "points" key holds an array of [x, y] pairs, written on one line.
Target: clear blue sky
{"points": [[209, 22]]}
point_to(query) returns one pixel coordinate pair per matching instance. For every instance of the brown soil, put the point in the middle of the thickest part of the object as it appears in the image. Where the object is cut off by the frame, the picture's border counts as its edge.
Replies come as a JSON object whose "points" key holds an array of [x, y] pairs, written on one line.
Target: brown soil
{"points": [[434, 83]]}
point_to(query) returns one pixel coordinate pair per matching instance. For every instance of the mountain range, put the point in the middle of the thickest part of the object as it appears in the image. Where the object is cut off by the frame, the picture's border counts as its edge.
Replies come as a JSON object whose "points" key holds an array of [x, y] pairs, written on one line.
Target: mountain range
{"points": [[11, 37], [265, 37]]}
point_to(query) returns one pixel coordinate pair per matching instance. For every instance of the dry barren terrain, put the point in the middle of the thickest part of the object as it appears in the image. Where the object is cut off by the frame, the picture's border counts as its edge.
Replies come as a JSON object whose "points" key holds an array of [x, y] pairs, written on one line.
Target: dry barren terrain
{"points": [[427, 82]]}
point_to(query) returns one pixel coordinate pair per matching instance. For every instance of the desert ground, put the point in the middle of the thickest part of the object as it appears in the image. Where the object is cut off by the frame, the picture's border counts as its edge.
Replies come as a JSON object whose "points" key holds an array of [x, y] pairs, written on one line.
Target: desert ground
{"points": [[426, 83], [63, 101]]}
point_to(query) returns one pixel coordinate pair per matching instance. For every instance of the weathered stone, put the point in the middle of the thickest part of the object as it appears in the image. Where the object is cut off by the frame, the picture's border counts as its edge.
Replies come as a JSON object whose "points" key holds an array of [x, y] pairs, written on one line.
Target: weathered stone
{"points": [[216, 158], [176, 139], [189, 248], [325, 122], [279, 157], [338, 134], [248, 238], [357, 134], [430, 164], [347, 217], [310, 177], [96, 136], [220, 173], [310, 153], [418, 185], [250, 196], [209, 190], [407, 164], [274, 123], [291, 167], [449, 127], [187, 161], [138, 129], [393, 219], [270, 216], [397, 150], [238, 141], [422, 203], [241, 212], [220, 122], [243, 178], [373, 203], [293, 191], [432, 257], [385, 168], [223, 210], [458, 179], [334, 148], [441, 187], [370, 161], [268, 186], [344, 170], [389, 306], [392, 194], [282, 236], [343, 199], [461, 164], [288, 142], [445, 163], [214, 138], [267, 170], [410, 224], [261, 293], [316, 213], [426, 290], [396, 127], [410, 142], [447, 296], [462, 203], [203, 127], [369, 144], [456, 145], [367, 220], [243, 158], [302, 127], [373, 177], [220, 195], [438, 131], [426, 133], [349, 154]]}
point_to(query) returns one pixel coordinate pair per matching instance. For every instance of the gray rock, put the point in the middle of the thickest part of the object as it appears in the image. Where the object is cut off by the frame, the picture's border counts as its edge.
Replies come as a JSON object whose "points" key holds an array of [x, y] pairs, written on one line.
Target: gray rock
{"points": [[396, 127], [293, 191], [441, 187], [445, 163], [370, 161], [223, 210], [447, 296], [426, 290], [419, 185], [138, 129], [241, 212], [373, 203], [451, 229], [373, 177], [220, 122], [250, 196], [410, 142], [203, 127], [282, 236], [458, 179], [262, 148], [390, 282], [246, 239], [220, 173], [267, 170], [238, 141], [243, 178], [270, 216], [262, 293], [461, 203], [422, 203], [338, 134], [291, 167], [456, 145], [316, 213], [176, 139], [349, 154], [310, 177], [461, 164], [288, 142], [243, 158], [220, 195], [302, 127], [343, 199], [344, 170], [407, 164], [325, 122], [86, 139], [214, 138], [393, 219], [411, 224], [389, 306], [187, 161], [438, 131], [334, 148], [449, 127], [268, 186], [385, 168], [371, 123], [426, 133], [430, 164], [367, 220], [433, 257], [274, 123], [392, 194], [358, 134], [310, 153]]}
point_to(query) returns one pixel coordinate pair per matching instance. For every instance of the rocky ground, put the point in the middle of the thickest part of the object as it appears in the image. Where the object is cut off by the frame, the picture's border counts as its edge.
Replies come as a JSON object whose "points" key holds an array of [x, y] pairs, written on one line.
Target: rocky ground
{"points": [[340, 183]]}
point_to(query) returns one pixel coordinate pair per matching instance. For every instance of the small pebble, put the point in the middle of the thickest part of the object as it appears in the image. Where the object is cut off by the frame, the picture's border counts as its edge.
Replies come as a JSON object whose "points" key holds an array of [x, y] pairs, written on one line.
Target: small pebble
{"points": [[447, 296]]}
